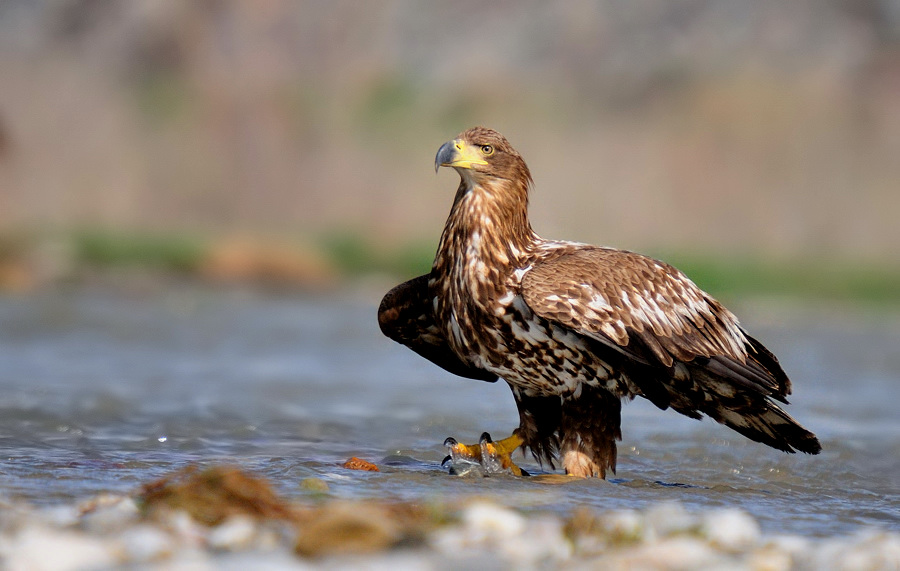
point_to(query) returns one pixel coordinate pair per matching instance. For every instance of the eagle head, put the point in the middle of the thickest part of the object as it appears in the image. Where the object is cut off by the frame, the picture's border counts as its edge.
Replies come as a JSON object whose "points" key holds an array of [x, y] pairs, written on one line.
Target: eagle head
{"points": [[480, 154]]}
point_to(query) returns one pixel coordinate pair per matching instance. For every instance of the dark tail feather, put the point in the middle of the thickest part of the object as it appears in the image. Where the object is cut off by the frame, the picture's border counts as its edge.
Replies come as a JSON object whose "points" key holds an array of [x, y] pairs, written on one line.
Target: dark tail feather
{"points": [[770, 425], [741, 407]]}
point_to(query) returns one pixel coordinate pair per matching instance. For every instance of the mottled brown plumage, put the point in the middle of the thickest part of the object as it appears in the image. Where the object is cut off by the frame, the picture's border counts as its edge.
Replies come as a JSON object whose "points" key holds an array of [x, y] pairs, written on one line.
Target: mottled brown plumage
{"points": [[573, 328]]}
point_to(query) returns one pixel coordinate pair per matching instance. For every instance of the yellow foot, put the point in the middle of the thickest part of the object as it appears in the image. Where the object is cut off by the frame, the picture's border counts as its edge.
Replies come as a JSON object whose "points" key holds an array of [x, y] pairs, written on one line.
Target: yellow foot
{"points": [[487, 457]]}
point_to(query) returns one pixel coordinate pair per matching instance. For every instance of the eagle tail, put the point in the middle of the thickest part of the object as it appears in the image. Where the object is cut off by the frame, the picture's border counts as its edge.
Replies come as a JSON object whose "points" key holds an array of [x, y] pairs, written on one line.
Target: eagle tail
{"points": [[742, 406], [772, 426]]}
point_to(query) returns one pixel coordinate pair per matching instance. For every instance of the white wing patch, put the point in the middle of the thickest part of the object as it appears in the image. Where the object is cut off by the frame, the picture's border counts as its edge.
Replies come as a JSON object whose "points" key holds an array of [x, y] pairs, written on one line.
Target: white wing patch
{"points": [[597, 303]]}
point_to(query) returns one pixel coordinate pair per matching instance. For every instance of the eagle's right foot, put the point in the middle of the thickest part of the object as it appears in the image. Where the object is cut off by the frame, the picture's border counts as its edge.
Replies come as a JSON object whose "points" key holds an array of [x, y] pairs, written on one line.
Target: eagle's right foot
{"points": [[487, 456]]}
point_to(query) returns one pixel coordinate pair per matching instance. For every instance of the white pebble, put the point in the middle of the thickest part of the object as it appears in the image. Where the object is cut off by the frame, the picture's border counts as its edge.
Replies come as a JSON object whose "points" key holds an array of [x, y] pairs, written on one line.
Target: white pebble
{"points": [[37, 548], [769, 558], [491, 521], [542, 540], [111, 515], [793, 544], [668, 518], [145, 543], [485, 526], [624, 525], [186, 529], [864, 551], [678, 552], [731, 530], [237, 532], [60, 516]]}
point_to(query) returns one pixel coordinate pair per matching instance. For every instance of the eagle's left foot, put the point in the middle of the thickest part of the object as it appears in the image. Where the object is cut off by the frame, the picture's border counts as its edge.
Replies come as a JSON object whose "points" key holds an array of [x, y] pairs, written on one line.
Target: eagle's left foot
{"points": [[487, 456]]}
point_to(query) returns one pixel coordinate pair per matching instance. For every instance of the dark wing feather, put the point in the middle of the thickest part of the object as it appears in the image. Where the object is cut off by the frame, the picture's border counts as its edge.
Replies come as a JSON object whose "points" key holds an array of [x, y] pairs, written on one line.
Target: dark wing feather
{"points": [[406, 315], [649, 311]]}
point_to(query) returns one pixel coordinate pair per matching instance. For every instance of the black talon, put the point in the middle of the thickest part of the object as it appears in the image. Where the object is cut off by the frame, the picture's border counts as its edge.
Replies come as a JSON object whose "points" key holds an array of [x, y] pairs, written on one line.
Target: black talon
{"points": [[485, 438], [450, 441]]}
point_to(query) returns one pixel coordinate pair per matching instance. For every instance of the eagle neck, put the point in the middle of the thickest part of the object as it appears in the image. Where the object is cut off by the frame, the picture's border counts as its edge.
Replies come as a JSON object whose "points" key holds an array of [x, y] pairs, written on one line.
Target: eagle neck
{"points": [[486, 238], [488, 231]]}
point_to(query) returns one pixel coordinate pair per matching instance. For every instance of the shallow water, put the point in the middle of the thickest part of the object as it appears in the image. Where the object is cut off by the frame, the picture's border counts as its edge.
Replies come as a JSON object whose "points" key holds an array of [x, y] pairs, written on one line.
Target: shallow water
{"points": [[103, 392]]}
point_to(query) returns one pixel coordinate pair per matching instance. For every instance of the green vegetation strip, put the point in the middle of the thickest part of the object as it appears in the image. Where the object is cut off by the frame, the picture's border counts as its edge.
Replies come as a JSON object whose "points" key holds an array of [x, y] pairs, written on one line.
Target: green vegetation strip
{"points": [[355, 255], [161, 251], [746, 275], [807, 279]]}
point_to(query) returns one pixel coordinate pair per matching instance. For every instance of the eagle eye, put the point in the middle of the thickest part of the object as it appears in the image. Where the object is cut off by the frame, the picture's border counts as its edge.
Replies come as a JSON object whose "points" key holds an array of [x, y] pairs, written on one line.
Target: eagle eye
{"points": [[487, 149]]}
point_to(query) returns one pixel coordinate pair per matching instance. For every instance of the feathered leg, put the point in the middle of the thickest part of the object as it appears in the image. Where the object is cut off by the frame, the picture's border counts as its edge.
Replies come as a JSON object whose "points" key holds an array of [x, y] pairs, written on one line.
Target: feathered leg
{"points": [[539, 418], [588, 432]]}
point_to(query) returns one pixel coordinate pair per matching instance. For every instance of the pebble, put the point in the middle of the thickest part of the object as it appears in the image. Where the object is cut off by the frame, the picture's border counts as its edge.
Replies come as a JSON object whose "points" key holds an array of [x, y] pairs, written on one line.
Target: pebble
{"points": [[730, 530], [484, 526], [315, 485], [181, 525], [668, 518], [624, 525], [345, 527], [491, 522], [678, 552], [542, 540], [110, 532], [39, 547], [866, 550], [109, 513], [145, 543], [235, 533]]}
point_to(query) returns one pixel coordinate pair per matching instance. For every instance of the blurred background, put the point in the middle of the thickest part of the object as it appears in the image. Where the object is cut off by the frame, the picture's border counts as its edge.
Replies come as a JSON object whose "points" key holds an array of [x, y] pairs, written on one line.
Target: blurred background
{"points": [[755, 144]]}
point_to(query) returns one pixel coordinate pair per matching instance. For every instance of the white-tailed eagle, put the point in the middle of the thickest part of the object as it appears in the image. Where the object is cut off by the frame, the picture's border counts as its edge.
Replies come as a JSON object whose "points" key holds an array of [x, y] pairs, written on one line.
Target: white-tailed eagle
{"points": [[573, 329]]}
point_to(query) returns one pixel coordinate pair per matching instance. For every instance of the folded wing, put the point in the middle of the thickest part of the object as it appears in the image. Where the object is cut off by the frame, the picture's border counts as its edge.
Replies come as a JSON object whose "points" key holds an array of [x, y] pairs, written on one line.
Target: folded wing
{"points": [[406, 315], [686, 350]]}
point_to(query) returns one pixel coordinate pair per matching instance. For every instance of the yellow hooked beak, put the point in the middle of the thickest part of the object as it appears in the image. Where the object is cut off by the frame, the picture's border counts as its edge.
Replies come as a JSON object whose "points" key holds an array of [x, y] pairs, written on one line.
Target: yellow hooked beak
{"points": [[458, 154]]}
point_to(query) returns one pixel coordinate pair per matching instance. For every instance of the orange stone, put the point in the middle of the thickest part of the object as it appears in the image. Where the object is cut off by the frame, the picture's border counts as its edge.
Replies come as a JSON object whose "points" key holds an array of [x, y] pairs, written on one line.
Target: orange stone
{"points": [[355, 463]]}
